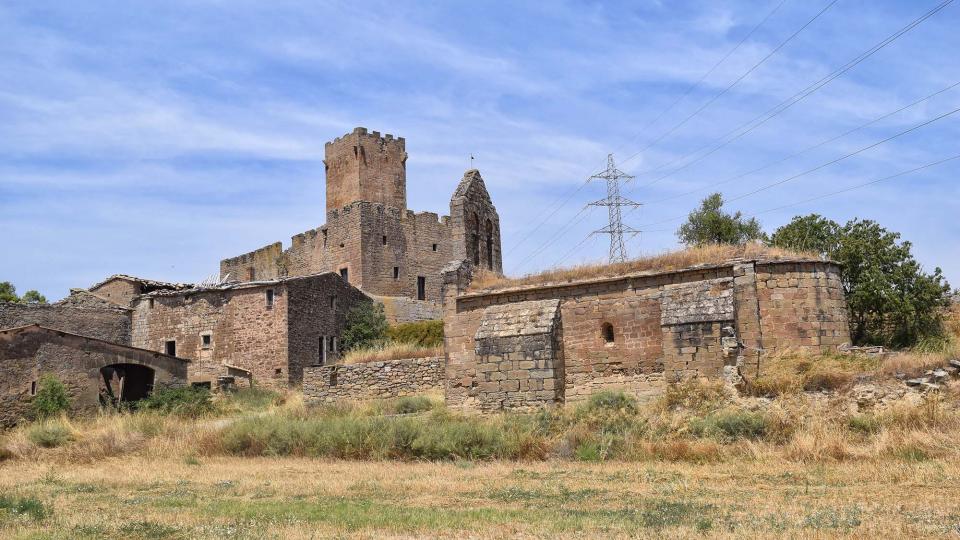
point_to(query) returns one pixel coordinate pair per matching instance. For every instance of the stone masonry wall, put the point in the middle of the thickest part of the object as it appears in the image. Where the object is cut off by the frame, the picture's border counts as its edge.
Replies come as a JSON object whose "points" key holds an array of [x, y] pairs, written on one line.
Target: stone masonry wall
{"points": [[117, 290], [362, 166], [665, 326], [373, 380], [109, 324], [400, 309], [27, 356]]}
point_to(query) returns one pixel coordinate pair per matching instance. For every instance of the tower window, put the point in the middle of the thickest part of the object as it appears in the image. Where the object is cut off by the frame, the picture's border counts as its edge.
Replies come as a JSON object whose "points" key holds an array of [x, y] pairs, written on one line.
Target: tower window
{"points": [[206, 341], [384, 239], [607, 331], [324, 238], [269, 298], [344, 274], [396, 272], [33, 388], [434, 247], [421, 288], [170, 347]]}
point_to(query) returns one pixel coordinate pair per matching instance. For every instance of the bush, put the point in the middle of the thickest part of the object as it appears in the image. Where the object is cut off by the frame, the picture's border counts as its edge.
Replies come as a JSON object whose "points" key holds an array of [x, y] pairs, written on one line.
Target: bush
{"points": [[187, 401], [863, 424], [50, 434], [422, 333], [411, 404], [24, 506], [254, 398], [51, 398], [730, 425], [366, 326]]}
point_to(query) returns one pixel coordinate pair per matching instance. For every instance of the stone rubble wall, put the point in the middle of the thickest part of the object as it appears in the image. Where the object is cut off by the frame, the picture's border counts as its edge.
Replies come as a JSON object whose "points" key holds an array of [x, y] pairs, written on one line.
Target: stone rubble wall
{"points": [[400, 309], [373, 380], [108, 324]]}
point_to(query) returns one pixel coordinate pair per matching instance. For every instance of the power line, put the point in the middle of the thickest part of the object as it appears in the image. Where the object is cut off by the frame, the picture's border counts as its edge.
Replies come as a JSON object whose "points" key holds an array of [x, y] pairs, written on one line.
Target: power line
{"points": [[826, 164], [731, 85], [564, 199], [763, 118], [809, 148]]}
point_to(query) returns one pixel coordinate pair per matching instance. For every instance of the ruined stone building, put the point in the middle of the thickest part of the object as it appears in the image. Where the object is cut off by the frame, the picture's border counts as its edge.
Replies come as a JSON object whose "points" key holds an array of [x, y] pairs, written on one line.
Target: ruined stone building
{"points": [[95, 372], [532, 345], [267, 331], [373, 240]]}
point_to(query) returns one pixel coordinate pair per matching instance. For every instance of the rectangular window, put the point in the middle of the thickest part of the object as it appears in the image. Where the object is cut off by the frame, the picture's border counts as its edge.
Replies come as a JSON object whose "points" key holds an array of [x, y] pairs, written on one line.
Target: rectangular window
{"points": [[206, 341], [332, 344], [269, 293], [384, 239], [396, 272], [278, 371], [434, 247], [170, 347], [344, 274], [421, 288], [33, 388]]}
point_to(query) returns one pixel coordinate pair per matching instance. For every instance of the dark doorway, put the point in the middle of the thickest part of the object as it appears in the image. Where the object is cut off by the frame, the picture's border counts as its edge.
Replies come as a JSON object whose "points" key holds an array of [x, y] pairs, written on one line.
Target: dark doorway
{"points": [[125, 383], [170, 347]]}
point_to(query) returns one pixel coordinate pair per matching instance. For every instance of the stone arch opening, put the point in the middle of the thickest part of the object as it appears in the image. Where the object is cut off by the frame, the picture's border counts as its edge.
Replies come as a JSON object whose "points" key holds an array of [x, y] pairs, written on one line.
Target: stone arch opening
{"points": [[606, 330], [123, 383]]}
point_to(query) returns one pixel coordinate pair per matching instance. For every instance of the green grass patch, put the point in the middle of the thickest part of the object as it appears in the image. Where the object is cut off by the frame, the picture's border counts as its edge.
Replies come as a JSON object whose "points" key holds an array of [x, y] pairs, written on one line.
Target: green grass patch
{"points": [[24, 506]]}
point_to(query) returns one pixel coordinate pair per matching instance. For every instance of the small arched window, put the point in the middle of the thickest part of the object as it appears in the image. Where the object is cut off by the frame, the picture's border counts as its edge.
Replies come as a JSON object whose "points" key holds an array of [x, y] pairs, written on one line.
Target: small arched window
{"points": [[607, 332]]}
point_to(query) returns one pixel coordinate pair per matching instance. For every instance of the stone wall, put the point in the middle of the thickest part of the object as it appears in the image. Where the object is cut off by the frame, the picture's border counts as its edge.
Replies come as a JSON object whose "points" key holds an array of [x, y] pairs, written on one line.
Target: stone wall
{"points": [[642, 331], [400, 309], [106, 323], [117, 290], [373, 380], [27, 355]]}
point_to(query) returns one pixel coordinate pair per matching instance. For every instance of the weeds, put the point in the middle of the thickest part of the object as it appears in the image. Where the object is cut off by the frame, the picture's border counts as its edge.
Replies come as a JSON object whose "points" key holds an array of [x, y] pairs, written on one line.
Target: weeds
{"points": [[24, 506], [188, 401], [50, 433]]}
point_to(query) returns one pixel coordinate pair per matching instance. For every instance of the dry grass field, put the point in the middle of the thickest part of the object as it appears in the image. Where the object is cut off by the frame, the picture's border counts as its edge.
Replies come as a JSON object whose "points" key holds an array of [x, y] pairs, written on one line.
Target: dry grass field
{"points": [[827, 446], [305, 498]]}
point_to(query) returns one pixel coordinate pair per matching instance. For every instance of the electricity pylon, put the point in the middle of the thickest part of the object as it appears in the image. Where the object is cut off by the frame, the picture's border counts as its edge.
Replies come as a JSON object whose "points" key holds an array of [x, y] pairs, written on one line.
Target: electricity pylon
{"points": [[614, 202]]}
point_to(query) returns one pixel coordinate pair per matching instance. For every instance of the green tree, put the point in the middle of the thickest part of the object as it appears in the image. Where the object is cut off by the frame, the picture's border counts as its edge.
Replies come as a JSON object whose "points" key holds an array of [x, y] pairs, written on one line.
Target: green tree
{"points": [[8, 293], [366, 326], [709, 224], [809, 233], [51, 398], [33, 297], [891, 300]]}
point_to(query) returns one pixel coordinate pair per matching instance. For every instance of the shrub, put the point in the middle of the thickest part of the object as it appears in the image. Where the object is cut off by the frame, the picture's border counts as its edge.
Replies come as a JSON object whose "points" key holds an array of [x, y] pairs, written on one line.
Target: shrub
{"points": [[24, 506], [411, 404], [695, 394], [51, 398], [366, 326], [188, 401], [730, 425], [422, 333], [863, 424], [50, 434], [254, 398]]}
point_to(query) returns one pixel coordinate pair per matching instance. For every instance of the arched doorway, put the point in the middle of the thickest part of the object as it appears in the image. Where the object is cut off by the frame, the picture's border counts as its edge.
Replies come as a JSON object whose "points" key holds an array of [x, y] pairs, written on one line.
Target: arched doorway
{"points": [[125, 382]]}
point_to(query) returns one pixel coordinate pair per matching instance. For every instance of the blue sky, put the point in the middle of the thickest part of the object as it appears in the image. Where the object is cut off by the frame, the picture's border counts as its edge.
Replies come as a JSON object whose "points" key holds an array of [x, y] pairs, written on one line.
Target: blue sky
{"points": [[155, 138]]}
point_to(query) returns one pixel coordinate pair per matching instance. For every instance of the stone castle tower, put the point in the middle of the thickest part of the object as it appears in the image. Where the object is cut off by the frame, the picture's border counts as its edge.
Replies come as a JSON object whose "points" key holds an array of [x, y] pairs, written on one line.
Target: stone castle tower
{"points": [[370, 238], [364, 166]]}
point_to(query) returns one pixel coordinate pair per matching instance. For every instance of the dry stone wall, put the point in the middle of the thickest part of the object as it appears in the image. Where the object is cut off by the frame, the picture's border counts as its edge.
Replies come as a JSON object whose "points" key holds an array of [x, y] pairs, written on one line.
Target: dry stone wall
{"points": [[373, 380]]}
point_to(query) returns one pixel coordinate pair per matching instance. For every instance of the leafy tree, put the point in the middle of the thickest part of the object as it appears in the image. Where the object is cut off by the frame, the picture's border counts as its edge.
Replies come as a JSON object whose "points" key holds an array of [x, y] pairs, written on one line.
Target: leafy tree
{"points": [[8, 293], [51, 398], [809, 233], [892, 301], [366, 326], [33, 297], [709, 224]]}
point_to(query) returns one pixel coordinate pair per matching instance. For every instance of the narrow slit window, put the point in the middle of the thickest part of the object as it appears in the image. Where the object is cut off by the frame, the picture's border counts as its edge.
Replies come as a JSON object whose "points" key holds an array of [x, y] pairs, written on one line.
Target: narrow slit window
{"points": [[421, 288], [170, 347], [345, 274], [434, 247], [607, 331], [269, 298], [396, 272], [33, 388], [384, 239]]}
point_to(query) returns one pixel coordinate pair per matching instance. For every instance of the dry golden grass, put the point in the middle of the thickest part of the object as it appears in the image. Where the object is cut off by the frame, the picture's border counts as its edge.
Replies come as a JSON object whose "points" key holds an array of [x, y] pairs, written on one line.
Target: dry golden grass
{"points": [[300, 498], [390, 351], [674, 260]]}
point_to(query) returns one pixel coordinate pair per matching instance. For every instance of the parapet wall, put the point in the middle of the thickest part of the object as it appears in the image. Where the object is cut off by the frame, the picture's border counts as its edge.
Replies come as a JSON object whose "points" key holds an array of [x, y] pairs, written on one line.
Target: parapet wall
{"points": [[373, 380], [641, 331]]}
